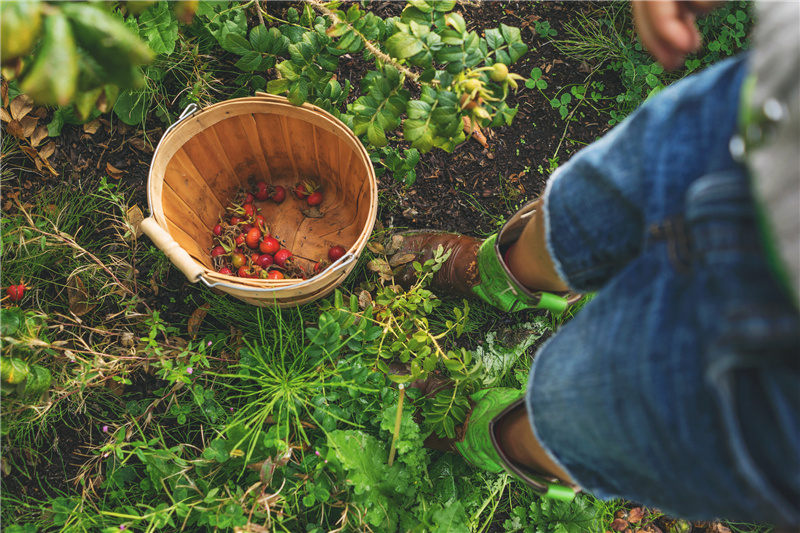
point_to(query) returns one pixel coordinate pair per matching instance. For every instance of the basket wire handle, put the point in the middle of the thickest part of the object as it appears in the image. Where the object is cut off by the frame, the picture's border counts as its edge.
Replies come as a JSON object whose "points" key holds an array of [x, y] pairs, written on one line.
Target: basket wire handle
{"points": [[335, 268]]}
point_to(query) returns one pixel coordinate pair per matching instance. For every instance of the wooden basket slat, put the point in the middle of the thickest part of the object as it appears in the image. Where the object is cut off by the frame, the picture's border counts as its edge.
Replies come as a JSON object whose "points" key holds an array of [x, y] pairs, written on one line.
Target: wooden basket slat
{"points": [[275, 149], [232, 137], [189, 243], [182, 170], [191, 217], [253, 136], [211, 139]]}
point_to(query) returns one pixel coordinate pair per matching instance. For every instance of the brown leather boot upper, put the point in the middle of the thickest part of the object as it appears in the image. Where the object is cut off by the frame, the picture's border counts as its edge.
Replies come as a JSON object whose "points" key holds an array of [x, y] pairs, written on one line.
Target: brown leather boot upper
{"points": [[457, 275]]}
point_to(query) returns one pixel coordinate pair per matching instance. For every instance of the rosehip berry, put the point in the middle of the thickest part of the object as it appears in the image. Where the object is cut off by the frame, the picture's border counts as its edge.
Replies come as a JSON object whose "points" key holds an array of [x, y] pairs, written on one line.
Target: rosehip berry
{"points": [[275, 274], [315, 198], [278, 195], [15, 292], [282, 256], [336, 252], [269, 245]]}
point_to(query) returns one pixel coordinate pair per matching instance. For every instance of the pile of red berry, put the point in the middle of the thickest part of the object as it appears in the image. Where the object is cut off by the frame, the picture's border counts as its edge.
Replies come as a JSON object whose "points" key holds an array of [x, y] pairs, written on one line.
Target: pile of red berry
{"points": [[243, 245]]}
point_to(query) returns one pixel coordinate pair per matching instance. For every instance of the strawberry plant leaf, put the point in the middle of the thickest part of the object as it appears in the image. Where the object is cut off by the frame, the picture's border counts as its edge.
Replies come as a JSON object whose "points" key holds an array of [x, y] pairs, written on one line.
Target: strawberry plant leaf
{"points": [[452, 519], [159, 28]]}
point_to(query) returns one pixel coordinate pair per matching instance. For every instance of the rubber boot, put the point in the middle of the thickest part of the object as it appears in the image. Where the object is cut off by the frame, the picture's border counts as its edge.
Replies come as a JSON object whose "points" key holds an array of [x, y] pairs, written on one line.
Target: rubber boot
{"points": [[476, 268], [481, 444]]}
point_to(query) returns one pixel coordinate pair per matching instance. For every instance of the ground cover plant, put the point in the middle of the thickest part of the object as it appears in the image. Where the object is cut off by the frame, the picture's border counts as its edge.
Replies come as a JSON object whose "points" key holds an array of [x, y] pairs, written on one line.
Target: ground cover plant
{"points": [[134, 401]]}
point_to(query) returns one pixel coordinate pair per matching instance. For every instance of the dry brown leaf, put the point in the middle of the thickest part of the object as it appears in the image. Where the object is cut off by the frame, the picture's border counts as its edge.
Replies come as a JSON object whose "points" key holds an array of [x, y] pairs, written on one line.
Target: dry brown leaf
{"points": [[113, 171], [376, 248], [394, 244], [716, 527], [139, 144], [619, 524], [4, 92], [312, 212], [547, 68], [378, 265], [116, 387], [635, 515], [475, 131], [28, 125], [401, 259], [30, 152], [78, 296], [47, 150], [38, 135], [21, 106], [196, 320], [15, 129], [154, 286], [92, 127], [364, 299], [134, 219], [5, 116]]}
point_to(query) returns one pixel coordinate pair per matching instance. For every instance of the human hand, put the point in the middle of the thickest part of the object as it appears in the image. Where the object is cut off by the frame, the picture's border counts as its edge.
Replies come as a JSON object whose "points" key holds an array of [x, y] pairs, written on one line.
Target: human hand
{"points": [[666, 28]]}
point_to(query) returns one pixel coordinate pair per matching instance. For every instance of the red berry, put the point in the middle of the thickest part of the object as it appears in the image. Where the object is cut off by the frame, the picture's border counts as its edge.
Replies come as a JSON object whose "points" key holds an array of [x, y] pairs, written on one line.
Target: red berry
{"points": [[243, 272], [315, 198], [300, 191], [275, 274], [217, 230], [278, 195], [282, 256], [249, 209], [253, 237], [336, 252], [269, 245], [239, 239], [261, 223], [15, 292], [236, 220], [225, 270], [217, 251], [249, 198], [254, 257], [264, 260], [262, 190], [238, 260]]}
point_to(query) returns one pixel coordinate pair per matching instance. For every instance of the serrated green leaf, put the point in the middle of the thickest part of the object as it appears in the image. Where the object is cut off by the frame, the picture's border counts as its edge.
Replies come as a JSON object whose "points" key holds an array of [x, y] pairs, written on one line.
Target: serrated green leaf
{"points": [[298, 92], [402, 45], [376, 135], [249, 62], [493, 38], [278, 86]]}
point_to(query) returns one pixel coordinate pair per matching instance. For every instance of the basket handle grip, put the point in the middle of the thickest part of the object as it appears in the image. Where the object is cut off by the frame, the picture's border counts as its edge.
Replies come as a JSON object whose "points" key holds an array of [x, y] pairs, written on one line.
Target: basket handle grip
{"points": [[179, 257]]}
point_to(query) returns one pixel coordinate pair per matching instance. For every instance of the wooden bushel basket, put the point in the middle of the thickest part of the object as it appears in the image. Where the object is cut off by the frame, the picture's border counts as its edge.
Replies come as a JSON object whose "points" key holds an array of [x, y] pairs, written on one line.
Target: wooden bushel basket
{"points": [[209, 154]]}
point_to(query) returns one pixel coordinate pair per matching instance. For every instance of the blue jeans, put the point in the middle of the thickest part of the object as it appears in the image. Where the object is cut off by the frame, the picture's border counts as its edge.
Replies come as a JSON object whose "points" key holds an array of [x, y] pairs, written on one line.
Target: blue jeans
{"points": [[678, 385]]}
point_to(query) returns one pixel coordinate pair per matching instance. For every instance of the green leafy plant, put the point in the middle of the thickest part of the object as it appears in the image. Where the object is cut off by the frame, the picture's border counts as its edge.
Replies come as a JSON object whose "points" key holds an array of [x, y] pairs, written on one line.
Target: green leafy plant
{"points": [[401, 163], [543, 29], [553, 516], [23, 341]]}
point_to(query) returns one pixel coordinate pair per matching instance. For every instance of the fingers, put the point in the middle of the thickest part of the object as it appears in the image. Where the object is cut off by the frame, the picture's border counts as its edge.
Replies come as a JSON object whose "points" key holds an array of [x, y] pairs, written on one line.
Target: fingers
{"points": [[666, 28]]}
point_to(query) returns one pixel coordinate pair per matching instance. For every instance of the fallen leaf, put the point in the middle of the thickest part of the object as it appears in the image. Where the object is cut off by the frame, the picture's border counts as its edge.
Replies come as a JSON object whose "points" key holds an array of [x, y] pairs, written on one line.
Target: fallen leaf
{"points": [[28, 125], [475, 131], [401, 259], [15, 129], [619, 524], [199, 314], [134, 219], [394, 244], [376, 248], [78, 296], [38, 135], [4, 92], [716, 527], [47, 150], [364, 299], [21, 106], [635, 515], [139, 144], [585, 67], [312, 212], [114, 172], [154, 286], [30, 152], [4, 115], [116, 387], [92, 127]]}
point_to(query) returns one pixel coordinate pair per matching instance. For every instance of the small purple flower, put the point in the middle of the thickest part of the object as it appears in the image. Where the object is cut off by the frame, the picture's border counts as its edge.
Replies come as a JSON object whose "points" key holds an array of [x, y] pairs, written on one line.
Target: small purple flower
{"points": [[189, 370], [231, 409], [121, 526], [209, 344], [105, 429], [317, 453]]}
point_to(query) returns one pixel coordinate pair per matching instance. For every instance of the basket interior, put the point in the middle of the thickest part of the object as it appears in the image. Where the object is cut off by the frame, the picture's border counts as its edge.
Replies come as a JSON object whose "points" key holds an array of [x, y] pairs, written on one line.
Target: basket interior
{"points": [[213, 155]]}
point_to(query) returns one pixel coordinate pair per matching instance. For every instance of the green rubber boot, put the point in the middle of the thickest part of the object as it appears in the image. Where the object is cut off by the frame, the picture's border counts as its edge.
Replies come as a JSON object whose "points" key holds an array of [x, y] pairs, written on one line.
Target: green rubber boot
{"points": [[480, 445], [476, 268]]}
